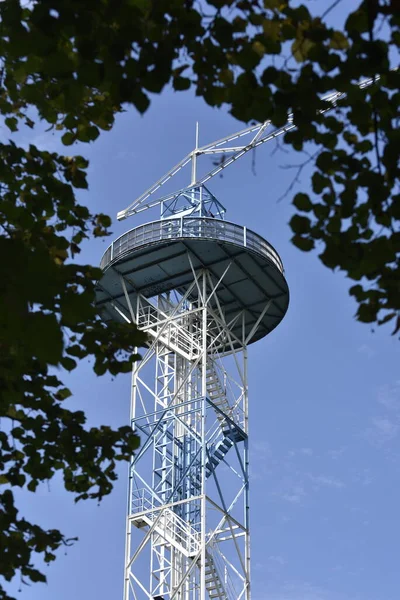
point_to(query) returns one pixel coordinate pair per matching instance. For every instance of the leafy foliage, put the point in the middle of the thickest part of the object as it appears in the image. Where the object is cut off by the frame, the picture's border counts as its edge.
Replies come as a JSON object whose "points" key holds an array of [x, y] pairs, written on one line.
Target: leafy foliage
{"points": [[75, 65], [48, 319], [80, 63]]}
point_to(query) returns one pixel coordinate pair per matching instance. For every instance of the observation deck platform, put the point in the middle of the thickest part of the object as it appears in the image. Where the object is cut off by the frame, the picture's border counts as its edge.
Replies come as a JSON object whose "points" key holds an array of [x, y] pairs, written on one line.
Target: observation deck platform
{"points": [[153, 259]]}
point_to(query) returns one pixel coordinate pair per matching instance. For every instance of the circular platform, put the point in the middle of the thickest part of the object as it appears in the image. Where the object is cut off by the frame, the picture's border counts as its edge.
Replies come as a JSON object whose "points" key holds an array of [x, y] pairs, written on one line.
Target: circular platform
{"points": [[153, 258]]}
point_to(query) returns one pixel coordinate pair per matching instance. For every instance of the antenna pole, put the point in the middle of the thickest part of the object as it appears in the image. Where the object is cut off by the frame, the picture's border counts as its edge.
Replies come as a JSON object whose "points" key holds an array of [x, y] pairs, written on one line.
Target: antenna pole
{"points": [[260, 133], [194, 156]]}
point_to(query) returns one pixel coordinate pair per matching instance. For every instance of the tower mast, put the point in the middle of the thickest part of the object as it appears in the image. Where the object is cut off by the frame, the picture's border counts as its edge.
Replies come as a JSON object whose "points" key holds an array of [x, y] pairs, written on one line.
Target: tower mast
{"points": [[203, 289]]}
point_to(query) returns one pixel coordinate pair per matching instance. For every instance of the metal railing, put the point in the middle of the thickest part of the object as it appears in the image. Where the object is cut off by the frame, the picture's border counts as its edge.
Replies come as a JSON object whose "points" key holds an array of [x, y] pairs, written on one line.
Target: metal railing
{"points": [[220, 398], [190, 227], [214, 554], [169, 525]]}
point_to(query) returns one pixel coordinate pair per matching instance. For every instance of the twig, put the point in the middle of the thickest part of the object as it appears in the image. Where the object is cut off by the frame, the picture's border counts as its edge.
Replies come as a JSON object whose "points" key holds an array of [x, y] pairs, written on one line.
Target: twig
{"points": [[296, 177], [331, 7]]}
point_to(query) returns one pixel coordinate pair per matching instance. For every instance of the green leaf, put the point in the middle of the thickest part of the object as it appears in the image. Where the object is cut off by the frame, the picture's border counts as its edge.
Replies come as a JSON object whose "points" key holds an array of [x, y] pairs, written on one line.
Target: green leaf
{"points": [[226, 76], [258, 48], [275, 4], [63, 394], [43, 337], [300, 224], [302, 202], [319, 182], [12, 123], [32, 486], [334, 225], [140, 100], [181, 83], [321, 211], [301, 48], [339, 41], [81, 162], [68, 138], [272, 29], [367, 313], [324, 162], [87, 133], [305, 244], [104, 220], [68, 363]]}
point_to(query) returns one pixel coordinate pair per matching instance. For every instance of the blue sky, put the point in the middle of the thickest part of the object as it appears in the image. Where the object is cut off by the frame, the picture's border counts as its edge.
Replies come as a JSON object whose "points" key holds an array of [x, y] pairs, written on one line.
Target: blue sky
{"points": [[324, 395]]}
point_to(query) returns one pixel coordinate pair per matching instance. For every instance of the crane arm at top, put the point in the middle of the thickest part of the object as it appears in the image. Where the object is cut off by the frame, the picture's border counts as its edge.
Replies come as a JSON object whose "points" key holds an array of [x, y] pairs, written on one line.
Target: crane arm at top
{"points": [[260, 133]]}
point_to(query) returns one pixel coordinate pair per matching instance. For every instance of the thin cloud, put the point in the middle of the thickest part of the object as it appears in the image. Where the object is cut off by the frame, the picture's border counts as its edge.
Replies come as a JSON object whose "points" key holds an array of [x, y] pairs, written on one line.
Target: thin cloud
{"points": [[294, 496], [364, 477], [301, 452], [389, 396], [335, 454], [383, 429], [326, 481], [366, 350], [278, 560], [301, 591]]}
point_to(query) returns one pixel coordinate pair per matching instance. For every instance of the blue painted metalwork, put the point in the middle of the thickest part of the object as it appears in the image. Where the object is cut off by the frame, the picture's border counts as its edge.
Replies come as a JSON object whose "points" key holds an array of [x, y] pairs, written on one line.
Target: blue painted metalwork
{"points": [[196, 201]]}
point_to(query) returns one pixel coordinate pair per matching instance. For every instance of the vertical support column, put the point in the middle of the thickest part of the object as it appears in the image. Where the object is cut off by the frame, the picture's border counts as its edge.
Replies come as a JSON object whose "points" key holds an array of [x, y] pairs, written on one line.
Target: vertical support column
{"points": [[203, 439], [246, 469], [128, 534]]}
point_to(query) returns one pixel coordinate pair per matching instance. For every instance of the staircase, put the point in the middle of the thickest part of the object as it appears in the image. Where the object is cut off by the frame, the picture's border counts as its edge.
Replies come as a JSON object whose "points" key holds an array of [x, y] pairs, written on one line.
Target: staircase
{"points": [[217, 454], [217, 394], [231, 431], [226, 416], [172, 529], [214, 585]]}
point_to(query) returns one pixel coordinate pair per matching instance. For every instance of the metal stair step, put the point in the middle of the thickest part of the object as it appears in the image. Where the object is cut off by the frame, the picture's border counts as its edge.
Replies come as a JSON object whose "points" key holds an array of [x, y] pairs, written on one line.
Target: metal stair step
{"points": [[234, 434], [221, 403], [214, 585], [216, 392], [218, 453]]}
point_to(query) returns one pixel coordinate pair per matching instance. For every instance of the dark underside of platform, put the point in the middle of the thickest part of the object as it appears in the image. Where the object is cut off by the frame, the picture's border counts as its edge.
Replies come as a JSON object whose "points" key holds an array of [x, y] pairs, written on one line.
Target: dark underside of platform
{"points": [[250, 282]]}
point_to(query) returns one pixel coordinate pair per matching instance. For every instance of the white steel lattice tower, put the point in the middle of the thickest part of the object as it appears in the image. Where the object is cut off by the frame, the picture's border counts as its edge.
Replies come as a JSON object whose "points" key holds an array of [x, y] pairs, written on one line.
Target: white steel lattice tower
{"points": [[203, 289]]}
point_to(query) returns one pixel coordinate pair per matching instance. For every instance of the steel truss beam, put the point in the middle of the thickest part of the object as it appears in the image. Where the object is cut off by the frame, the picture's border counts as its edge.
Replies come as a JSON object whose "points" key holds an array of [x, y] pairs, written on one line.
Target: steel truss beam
{"points": [[245, 140]]}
